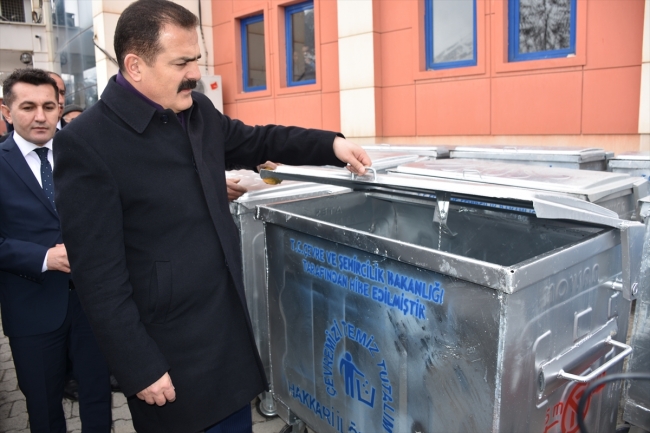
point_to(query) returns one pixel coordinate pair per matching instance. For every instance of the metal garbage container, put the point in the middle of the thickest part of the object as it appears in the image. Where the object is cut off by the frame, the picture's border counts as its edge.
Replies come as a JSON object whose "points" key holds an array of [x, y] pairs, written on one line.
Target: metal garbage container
{"points": [[430, 305], [618, 192], [252, 242], [633, 163], [565, 157], [252, 249], [636, 408]]}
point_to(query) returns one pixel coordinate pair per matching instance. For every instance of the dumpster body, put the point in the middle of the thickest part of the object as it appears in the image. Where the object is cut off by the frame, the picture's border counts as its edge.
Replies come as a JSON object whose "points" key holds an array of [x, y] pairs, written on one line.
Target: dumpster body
{"points": [[636, 409], [251, 233], [394, 308], [634, 164], [564, 157], [615, 191], [253, 247]]}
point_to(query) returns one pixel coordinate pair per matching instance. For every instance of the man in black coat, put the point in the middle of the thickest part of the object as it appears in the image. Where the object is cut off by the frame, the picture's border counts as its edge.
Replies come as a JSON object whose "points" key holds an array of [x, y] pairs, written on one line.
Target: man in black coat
{"points": [[152, 245]]}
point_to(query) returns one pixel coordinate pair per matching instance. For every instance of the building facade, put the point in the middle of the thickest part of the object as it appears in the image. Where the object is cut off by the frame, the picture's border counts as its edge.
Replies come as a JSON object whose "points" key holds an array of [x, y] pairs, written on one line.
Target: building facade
{"points": [[507, 72]]}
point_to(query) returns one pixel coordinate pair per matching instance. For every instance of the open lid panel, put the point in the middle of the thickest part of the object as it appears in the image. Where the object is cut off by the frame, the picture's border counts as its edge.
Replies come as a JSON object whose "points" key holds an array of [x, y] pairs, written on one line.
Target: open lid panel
{"points": [[260, 191], [592, 186], [430, 151], [516, 153], [544, 204]]}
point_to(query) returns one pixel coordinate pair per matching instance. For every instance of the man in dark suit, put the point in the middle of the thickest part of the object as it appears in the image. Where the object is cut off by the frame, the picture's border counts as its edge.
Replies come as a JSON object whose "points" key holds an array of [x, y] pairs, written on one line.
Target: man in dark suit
{"points": [[41, 313], [154, 250]]}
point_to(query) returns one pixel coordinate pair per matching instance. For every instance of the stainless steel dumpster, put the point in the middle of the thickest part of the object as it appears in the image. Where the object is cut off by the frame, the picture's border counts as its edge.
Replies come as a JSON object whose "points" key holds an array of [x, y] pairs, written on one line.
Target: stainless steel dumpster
{"points": [[633, 163], [252, 241], [636, 409], [565, 157], [615, 191], [430, 305]]}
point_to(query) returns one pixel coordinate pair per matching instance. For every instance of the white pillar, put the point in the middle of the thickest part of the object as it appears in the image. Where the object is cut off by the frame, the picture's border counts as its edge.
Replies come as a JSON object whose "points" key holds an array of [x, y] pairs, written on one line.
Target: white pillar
{"points": [[357, 68], [105, 16]]}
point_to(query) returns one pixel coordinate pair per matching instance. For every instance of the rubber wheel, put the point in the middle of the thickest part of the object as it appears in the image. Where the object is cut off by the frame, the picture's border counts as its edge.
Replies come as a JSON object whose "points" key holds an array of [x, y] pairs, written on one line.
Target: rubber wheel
{"points": [[259, 410], [289, 429], [623, 428]]}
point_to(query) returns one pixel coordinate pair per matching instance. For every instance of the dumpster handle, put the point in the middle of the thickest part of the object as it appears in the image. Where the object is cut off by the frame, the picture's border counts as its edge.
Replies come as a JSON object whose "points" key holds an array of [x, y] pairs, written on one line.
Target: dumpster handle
{"points": [[591, 376], [467, 172], [369, 170]]}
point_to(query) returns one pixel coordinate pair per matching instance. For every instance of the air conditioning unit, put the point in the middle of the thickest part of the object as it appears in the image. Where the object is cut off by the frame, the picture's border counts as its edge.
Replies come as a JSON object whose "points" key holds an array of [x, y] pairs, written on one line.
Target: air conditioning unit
{"points": [[210, 86]]}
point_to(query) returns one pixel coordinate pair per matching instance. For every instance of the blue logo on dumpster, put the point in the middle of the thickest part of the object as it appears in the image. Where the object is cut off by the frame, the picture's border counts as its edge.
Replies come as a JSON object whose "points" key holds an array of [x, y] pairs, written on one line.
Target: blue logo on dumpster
{"points": [[358, 380], [354, 378]]}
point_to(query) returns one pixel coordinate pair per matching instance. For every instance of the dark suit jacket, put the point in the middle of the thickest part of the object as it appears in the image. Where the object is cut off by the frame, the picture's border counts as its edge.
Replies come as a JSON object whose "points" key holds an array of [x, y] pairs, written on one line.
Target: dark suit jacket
{"points": [[155, 252], [32, 302]]}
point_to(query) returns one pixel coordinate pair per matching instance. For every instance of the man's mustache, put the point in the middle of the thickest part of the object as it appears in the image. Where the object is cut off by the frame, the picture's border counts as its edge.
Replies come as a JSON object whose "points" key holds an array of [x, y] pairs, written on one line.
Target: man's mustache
{"points": [[187, 85]]}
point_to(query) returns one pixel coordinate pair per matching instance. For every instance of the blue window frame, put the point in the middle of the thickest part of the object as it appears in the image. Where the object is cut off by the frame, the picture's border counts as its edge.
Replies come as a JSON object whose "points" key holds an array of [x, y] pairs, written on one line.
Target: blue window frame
{"points": [[253, 53], [450, 33], [300, 42], [539, 29]]}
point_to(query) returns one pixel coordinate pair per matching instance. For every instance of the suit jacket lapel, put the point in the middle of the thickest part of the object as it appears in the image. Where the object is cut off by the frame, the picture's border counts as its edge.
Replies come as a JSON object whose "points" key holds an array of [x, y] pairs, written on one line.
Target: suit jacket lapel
{"points": [[16, 161]]}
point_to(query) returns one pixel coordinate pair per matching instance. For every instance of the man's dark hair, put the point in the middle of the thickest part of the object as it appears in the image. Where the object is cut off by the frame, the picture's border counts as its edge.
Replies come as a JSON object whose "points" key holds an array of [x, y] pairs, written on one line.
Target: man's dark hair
{"points": [[138, 28], [36, 77]]}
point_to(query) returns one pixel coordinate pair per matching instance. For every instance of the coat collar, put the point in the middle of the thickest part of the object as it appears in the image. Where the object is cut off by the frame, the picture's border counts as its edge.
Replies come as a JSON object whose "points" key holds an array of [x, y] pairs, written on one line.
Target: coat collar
{"points": [[132, 110]]}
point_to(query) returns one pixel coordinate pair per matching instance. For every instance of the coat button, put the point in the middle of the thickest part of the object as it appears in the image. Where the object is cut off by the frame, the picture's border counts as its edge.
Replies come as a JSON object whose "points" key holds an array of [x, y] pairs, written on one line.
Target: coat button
{"points": [[164, 118]]}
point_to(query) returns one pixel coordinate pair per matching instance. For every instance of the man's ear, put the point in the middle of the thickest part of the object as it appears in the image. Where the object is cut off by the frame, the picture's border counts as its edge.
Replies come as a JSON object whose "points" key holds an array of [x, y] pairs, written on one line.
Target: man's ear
{"points": [[6, 113], [132, 65]]}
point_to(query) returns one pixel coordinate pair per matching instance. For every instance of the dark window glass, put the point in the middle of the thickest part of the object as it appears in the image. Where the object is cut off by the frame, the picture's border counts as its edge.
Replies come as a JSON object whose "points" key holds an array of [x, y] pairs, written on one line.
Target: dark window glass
{"points": [[253, 53], [12, 10], [450, 28], [541, 29], [73, 25], [301, 57]]}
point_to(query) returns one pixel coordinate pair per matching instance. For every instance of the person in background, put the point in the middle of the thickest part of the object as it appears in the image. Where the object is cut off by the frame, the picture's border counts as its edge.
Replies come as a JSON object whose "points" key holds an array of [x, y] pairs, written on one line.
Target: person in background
{"points": [[70, 112], [61, 96], [153, 247], [41, 313]]}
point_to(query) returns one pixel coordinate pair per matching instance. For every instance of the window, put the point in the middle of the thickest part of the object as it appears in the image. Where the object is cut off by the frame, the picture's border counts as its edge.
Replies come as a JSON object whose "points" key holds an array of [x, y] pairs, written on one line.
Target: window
{"points": [[253, 53], [301, 58], [450, 32], [541, 29], [12, 10]]}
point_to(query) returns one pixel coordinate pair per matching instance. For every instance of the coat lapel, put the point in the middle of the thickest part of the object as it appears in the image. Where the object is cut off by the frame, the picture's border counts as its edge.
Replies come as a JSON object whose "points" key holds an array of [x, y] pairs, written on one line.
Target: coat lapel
{"points": [[11, 153]]}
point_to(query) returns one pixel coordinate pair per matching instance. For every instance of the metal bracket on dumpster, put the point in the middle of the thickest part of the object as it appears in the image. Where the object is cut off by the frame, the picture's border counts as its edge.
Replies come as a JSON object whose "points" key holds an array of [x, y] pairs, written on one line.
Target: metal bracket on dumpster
{"points": [[643, 204], [632, 237], [554, 373]]}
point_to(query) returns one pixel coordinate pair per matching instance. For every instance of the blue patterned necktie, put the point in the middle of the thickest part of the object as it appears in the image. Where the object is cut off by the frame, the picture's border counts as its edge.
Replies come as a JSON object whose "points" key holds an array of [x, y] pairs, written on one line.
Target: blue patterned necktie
{"points": [[46, 174]]}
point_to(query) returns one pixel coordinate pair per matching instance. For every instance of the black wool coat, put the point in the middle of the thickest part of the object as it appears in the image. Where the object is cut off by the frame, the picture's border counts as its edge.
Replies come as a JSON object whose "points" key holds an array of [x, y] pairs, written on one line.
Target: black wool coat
{"points": [[155, 253]]}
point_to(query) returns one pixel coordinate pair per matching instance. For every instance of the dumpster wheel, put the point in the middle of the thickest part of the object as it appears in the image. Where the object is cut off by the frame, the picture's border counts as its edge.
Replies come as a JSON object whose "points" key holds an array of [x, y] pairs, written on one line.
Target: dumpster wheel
{"points": [[264, 413], [293, 429]]}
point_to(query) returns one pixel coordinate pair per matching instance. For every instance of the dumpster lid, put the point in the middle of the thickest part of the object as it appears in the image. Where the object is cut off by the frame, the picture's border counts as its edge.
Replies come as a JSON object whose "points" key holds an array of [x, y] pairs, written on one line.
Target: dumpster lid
{"points": [[590, 185], [546, 204], [532, 153], [632, 156], [261, 192], [433, 151]]}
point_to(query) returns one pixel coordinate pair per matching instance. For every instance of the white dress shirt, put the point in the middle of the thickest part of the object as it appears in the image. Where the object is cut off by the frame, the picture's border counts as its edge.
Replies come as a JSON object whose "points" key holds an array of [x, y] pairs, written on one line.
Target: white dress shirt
{"points": [[34, 162], [32, 158]]}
